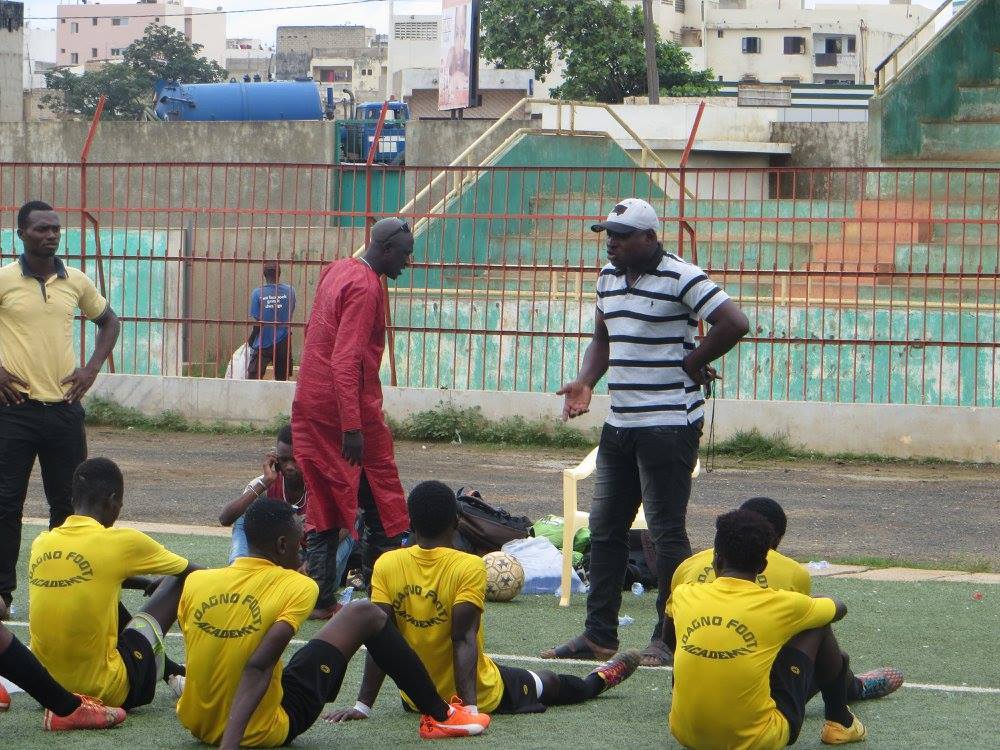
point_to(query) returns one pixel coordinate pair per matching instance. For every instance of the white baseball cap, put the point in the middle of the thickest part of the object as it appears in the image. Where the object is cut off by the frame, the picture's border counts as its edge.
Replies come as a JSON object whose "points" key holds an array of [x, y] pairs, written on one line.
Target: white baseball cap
{"points": [[629, 215]]}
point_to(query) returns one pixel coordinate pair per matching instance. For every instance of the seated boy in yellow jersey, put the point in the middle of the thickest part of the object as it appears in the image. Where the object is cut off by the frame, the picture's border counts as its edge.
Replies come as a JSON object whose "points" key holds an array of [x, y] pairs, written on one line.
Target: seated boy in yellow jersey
{"points": [[63, 709], [785, 574], [746, 656], [436, 595], [237, 622], [76, 572]]}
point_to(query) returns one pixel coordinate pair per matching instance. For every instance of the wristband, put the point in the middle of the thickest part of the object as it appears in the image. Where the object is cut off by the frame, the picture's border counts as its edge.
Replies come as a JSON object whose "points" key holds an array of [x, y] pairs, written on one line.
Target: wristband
{"points": [[259, 488], [361, 708]]}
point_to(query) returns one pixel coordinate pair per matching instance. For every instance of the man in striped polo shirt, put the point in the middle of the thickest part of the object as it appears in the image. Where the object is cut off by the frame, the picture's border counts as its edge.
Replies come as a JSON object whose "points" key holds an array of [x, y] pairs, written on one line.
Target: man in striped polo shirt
{"points": [[649, 303]]}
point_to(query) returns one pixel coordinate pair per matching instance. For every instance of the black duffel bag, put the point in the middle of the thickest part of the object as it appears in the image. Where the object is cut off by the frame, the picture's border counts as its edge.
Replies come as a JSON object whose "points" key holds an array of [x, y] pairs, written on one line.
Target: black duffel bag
{"points": [[483, 528]]}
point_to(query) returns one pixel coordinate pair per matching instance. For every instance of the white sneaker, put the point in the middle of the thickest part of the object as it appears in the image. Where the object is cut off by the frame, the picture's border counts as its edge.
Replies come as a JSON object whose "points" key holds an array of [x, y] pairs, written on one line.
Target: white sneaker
{"points": [[176, 684]]}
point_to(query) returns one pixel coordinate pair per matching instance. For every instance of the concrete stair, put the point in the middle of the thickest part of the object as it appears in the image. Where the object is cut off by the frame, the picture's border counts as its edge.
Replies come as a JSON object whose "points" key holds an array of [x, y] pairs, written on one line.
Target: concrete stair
{"points": [[980, 101], [966, 139]]}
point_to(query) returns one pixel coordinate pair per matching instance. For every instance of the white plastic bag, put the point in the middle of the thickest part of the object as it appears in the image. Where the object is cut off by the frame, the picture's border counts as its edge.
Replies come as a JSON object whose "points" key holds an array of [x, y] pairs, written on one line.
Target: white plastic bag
{"points": [[542, 564], [237, 369]]}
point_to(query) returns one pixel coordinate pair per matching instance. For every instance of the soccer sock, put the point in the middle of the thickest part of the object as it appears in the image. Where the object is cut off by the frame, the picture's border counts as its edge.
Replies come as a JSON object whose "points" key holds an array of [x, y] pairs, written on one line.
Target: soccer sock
{"points": [[21, 667], [170, 667], [394, 657], [573, 689], [835, 698]]}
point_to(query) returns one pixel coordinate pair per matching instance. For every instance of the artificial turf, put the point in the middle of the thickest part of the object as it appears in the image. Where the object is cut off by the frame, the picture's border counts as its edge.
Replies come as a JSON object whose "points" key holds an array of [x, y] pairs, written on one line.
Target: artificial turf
{"points": [[937, 633]]}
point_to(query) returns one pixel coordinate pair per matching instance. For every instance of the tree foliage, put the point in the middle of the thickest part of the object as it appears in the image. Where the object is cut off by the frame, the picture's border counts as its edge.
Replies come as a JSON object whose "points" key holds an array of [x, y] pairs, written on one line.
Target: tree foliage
{"points": [[162, 53], [600, 43]]}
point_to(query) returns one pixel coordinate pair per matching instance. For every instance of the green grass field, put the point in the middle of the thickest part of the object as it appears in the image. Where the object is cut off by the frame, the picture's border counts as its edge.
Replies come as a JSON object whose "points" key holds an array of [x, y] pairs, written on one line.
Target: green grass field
{"points": [[935, 632]]}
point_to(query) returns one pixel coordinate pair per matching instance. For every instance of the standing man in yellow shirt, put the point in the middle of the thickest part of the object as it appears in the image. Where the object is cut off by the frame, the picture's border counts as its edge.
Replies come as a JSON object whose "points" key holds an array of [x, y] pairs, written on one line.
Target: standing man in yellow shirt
{"points": [[75, 577], [40, 385], [747, 657], [237, 622], [436, 596]]}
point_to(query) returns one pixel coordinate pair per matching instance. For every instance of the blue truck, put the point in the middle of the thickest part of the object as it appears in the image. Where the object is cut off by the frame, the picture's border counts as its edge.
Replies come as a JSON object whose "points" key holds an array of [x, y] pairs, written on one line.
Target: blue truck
{"points": [[287, 100], [358, 134]]}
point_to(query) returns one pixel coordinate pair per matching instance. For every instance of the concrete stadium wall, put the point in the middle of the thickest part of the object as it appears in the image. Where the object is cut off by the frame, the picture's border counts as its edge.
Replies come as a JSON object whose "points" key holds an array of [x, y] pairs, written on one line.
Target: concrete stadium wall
{"points": [[824, 144], [251, 142], [952, 433], [147, 144]]}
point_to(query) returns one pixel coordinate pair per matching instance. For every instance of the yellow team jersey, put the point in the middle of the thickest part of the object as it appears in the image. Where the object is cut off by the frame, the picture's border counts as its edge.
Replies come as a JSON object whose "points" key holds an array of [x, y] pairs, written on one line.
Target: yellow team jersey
{"points": [[781, 572], [75, 575], [422, 586], [224, 615], [728, 635], [37, 325]]}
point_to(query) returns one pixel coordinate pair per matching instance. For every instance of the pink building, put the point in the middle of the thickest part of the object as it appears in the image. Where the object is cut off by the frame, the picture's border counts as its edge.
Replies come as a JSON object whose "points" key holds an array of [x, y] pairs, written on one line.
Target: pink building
{"points": [[85, 33]]}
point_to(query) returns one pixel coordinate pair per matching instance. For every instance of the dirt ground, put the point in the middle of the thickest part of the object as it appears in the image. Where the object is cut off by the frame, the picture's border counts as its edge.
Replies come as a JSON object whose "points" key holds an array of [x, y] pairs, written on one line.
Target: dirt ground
{"points": [[942, 515]]}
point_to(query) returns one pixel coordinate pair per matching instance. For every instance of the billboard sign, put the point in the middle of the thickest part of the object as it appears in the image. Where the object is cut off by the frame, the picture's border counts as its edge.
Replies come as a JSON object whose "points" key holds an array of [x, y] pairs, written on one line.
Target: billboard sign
{"points": [[459, 70]]}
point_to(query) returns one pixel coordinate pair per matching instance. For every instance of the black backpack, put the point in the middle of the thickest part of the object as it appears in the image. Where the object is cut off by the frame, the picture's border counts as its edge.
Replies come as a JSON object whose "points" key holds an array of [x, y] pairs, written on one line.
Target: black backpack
{"points": [[483, 528]]}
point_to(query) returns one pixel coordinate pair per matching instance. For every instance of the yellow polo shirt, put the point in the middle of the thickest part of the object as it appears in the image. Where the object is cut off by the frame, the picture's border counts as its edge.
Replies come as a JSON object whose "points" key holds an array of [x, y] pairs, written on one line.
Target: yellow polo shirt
{"points": [[423, 586], [75, 575], [36, 325], [224, 615], [782, 572], [728, 635]]}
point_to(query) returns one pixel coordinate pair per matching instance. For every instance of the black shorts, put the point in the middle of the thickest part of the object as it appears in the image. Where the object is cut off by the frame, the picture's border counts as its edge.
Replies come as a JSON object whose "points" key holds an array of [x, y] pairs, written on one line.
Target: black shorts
{"points": [[520, 695], [310, 681], [140, 667], [791, 676]]}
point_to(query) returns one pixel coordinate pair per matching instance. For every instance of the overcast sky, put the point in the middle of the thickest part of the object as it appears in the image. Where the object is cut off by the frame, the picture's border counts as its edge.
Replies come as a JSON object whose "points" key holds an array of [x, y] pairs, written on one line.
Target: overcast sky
{"points": [[262, 24]]}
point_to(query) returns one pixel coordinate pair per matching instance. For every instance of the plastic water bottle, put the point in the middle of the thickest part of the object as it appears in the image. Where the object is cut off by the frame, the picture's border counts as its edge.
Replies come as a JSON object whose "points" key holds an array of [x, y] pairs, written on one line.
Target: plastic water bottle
{"points": [[625, 620], [814, 566], [345, 596], [638, 589]]}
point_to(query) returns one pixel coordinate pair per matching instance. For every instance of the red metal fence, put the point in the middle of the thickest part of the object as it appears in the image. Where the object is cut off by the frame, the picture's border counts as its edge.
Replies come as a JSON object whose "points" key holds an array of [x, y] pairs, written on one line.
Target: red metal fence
{"points": [[862, 285]]}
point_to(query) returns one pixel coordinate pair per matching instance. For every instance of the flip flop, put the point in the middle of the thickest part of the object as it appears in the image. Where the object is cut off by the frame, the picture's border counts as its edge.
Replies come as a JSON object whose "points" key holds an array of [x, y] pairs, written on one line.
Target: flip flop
{"points": [[580, 647], [656, 654]]}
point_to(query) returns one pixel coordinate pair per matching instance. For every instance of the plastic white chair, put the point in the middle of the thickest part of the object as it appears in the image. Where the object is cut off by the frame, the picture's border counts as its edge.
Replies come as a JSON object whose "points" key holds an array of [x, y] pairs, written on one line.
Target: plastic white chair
{"points": [[575, 519]]}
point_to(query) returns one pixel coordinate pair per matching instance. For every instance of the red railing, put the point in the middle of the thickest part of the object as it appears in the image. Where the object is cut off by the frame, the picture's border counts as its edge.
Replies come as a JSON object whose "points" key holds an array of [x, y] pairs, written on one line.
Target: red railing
{"points": [[862, 285]]}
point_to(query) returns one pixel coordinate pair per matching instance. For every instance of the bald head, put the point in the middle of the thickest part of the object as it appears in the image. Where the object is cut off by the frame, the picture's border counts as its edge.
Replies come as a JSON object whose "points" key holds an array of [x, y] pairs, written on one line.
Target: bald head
{"points": [[390, 247]]}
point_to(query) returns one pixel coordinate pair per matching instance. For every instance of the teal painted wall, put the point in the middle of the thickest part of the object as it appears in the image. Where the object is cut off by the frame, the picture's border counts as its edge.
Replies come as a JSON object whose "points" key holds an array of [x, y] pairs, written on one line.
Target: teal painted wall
{"points": [[133, 287], [348, 191], [964, 52], [546, 332]]}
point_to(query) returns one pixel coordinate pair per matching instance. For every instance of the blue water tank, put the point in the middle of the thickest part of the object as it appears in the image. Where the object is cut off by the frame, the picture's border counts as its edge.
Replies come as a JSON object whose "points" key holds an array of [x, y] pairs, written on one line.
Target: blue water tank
{"points": [[273, 100]]}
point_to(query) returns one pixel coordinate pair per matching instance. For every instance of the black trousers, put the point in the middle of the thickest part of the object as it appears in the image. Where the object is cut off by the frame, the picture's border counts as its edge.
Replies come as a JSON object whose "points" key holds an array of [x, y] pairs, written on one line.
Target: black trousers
{"points": [[321, 547], [280, 355], [648, 465], [54, 433]]}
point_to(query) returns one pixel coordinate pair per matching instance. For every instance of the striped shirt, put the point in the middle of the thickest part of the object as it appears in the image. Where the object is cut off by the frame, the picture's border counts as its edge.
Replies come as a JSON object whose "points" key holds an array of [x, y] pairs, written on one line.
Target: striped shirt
{"points": [[651, 327]]}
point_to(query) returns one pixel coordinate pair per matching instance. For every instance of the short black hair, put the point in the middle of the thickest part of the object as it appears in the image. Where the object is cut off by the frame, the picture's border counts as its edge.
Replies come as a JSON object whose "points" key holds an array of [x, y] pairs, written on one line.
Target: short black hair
{"points": [[265, 520], [742, 538], [25, 211], [94, 481], [433, 508], [285, 434], [271, 269], [771, 510]]}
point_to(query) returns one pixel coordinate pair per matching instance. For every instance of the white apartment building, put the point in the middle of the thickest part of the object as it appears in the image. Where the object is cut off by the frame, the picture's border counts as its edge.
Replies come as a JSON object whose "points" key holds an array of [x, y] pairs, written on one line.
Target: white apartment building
{"points": [[359, 70], [775, 41], [414, 42], [101, 31]]}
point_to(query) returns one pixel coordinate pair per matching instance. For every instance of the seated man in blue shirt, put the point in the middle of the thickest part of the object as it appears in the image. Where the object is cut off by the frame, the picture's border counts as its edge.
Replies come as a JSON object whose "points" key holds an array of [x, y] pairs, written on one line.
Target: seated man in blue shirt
{"points": [[271, 307]]}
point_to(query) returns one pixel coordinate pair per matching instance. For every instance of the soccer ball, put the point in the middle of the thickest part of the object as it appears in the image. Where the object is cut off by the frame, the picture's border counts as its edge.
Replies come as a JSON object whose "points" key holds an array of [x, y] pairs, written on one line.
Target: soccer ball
{"points": [[504, 576]]}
